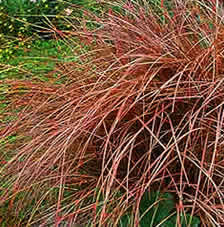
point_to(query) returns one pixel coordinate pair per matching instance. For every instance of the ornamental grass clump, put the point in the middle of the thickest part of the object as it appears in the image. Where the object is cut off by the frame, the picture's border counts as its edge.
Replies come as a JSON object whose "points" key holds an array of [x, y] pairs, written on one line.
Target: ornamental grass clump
{"points": [[142, 116]]}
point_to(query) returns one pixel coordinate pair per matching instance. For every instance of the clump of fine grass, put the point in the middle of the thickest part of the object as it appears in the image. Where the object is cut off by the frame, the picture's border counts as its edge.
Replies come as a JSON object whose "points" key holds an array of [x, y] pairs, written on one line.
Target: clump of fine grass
{"points": [[144, 113]]}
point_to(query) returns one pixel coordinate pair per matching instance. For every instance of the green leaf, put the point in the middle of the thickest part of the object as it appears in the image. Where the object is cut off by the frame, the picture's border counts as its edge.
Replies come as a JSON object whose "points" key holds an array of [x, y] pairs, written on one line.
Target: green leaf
{"points": [[186, 221], [125, 221], [154, 207], [158, 208]]}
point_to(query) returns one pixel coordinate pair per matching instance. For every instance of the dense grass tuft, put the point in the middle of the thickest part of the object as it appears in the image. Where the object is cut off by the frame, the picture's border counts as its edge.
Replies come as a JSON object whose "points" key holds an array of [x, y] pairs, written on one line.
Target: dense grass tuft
{"points": [[144, 112]]}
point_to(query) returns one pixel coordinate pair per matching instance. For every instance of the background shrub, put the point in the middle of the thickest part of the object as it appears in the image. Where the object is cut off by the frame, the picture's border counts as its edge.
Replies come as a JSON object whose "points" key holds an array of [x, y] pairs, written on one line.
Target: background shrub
{"points": [[24, 17], [24, 20]]}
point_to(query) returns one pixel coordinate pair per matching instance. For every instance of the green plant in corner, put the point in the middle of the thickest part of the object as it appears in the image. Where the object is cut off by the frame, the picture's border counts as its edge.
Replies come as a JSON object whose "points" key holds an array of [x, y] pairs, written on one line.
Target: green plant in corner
{"points": [[158, 209]]}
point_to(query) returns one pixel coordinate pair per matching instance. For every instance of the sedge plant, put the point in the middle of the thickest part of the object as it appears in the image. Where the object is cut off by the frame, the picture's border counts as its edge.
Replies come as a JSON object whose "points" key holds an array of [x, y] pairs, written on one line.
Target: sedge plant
{"points": [[139, 129]]}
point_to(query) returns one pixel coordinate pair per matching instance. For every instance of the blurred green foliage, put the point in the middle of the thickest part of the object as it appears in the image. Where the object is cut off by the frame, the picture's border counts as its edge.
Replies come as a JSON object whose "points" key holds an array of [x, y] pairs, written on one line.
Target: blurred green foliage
{"points": [[35, 60], [18, 16], [23, 20], [23, 17]]}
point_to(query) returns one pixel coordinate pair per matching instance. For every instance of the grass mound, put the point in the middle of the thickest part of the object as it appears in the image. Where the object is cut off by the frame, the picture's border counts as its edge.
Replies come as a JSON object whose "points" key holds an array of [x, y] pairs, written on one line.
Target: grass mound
{"points": [[143, 113]]}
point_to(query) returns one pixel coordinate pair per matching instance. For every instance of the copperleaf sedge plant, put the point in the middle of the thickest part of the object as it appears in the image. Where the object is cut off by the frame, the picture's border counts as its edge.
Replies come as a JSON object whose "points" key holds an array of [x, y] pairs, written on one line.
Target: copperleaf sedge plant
{"points": [[144, 111]]}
